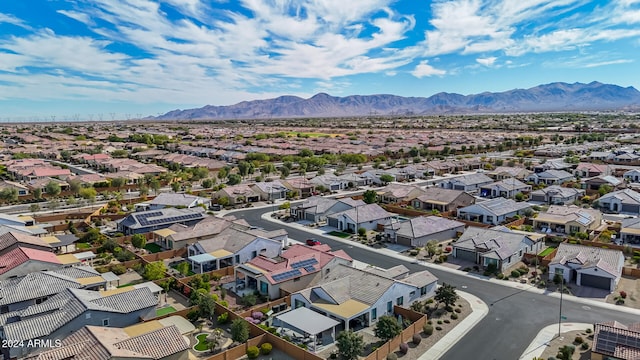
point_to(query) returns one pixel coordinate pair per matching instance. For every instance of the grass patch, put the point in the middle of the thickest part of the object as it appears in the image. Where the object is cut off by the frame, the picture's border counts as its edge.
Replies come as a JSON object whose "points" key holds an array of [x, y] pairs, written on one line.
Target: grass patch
{"points": [[165, 311], [202, 343], [546, 252], [340, 234], [82, 246], [125, 285], [152, 248]]}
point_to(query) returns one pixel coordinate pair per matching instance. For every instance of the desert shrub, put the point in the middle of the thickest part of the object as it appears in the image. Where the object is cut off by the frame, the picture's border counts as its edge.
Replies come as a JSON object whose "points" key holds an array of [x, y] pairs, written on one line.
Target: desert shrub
{"points": [[515, 273], [257, 315], [413, 252], [458, 310], [454, 316], [623, 294], [193, 315], [120, 269], [589, 331], [447, 321], [416, 338], [584, 346], [500, 276], [223, 318], [253, 352], [578, 340], [392, 356], [439, 322], [438, 328], [430, 301], [427, 329], [404, 348], [265, 349], [523, 270]]}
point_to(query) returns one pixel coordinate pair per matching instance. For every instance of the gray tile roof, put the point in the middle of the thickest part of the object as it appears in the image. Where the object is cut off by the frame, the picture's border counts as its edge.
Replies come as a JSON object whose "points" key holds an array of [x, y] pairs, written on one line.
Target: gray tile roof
{"points": [[369, 212], [159, 217], [33, 286], [426, 225], [557, 190], [156, 344], [608, 260], [175, 199], [440, 195], [626, 196], [420, 279], [492, 243], [498, 206]]}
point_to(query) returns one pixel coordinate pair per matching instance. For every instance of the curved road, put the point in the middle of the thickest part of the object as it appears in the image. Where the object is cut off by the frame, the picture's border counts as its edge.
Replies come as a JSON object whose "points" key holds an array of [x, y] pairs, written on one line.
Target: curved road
{"points": [[514, 318]]}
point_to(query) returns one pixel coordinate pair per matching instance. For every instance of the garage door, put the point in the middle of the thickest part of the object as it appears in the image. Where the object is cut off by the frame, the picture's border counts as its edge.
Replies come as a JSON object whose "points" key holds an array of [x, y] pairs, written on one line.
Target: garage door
{"points": [[595, 281], [403, 240], [466, 255]]}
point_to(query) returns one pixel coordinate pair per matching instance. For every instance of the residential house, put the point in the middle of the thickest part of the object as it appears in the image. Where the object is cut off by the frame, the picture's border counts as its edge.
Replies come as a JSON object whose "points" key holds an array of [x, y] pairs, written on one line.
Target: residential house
{"points": [[568, 220], [507, 188], [418, 231], [366, 216], [398, 193], [507, 172], [19, 188], [23, 260], [624, 201], [294, 269], [357, 297], [270, 191], [330, 182], [623, 157], [16, 220], [355, 179], [632, 176], [67, 312], [232, 246], [494, 211], [105, 343], [613, 340], [552, 164], [594, 183], [34, 288], [551, 177], [317, 208], [589, 170], [494, 248], [468, 183], [442, 200], [374, 175], [237, 194], [147, 221], [557, 195], [303, 187], [630, 231], [587, 266], [41, 184], [171, 199]]}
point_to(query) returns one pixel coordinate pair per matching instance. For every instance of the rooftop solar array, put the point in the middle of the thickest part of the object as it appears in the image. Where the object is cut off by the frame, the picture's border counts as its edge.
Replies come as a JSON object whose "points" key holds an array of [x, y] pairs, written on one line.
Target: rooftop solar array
{"points": [[286, 275], [309, 268], [145, 221], [303, 263]]}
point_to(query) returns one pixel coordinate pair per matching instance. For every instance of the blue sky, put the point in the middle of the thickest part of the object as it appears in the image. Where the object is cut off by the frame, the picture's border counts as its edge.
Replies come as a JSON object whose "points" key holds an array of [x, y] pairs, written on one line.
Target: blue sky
{"points": [[92, 59]]}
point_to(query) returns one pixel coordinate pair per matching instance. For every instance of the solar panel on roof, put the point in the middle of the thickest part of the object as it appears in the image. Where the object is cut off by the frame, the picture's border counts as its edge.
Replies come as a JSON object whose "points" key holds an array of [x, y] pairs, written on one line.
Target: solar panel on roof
{"points": [[303, 263], [309, 268], [286, 275]]}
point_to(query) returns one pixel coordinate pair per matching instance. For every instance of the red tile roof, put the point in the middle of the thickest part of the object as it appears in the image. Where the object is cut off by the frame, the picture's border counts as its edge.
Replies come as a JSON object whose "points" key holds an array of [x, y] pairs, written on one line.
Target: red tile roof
{"points": [[19, 256]]}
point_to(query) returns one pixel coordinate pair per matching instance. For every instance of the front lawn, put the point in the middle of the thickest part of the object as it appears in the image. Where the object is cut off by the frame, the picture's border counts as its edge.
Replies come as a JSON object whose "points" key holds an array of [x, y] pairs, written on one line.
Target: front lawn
{"points": [[202, 343], [340, 234], [546, 252], [165, 311], [152, 248]]}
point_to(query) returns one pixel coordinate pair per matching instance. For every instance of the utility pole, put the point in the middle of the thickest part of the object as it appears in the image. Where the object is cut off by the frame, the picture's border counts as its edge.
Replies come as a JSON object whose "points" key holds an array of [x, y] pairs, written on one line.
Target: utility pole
{"points": [[560, 314]]}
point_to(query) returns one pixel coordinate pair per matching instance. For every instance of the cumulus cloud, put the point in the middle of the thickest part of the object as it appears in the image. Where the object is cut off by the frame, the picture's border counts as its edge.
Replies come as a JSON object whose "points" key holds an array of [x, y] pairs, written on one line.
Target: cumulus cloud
{"points": [[489, 61], [425, 70]]}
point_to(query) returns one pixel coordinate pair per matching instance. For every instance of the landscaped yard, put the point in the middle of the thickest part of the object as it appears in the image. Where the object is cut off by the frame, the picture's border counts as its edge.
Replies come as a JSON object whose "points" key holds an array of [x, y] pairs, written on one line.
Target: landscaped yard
{"points": [[165, 311], [339, 234], [152, 247], [546, 251], [82, 246]]}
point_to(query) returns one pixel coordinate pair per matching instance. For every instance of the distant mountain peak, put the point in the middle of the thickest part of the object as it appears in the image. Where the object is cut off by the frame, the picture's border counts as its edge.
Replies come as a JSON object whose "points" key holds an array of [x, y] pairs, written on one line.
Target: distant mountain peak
{"points": [[557, 96]]}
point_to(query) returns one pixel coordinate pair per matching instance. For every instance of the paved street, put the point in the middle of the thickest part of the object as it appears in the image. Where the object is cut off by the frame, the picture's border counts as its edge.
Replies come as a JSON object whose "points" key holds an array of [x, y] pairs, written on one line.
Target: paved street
{"points": [[515, 316]]}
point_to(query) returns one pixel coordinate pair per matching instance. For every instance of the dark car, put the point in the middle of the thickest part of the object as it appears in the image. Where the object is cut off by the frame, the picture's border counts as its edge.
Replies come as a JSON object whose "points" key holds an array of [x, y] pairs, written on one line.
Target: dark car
{"points": [[313, 242]]}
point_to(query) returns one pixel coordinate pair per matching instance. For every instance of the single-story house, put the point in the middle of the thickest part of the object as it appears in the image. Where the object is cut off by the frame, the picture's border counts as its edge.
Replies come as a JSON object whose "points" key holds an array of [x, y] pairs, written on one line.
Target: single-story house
{"points": [[468, 183], [506, 172], [588, 170], [418, 231], [237, 194], [568, 219], [588, 266], [171, 199], [397, 193], [495, 248], [366, 216], [624, 201], [147, 221], [550, 177], [556, 195], [494, 211], [442, 200], [270, 191], [630, 231], [507, 188], [632, 175], [317, 208], [595, 183]]}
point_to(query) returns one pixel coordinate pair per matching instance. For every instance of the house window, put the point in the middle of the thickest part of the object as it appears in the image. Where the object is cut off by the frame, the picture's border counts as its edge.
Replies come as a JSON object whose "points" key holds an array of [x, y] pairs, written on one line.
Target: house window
{"points": [[374, 314], [237, 259], [400, 301], [326, 272], [423, 291], [299, 304], [574, 229], [489, 218], [559, 271], [254, 254], [389, 307], [105, 322], [412, 294]]}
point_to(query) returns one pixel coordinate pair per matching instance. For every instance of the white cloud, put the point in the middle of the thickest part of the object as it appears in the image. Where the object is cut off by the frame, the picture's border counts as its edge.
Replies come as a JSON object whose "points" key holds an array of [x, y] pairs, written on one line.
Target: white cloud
{"points": [[424, 69], [488, 62], [10, 19], [610, 62], [78, 16]]}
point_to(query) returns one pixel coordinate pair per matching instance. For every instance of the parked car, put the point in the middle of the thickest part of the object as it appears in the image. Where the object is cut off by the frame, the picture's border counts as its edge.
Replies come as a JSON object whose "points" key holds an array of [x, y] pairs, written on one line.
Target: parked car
{"points": [[313, 242], [215, 207]]}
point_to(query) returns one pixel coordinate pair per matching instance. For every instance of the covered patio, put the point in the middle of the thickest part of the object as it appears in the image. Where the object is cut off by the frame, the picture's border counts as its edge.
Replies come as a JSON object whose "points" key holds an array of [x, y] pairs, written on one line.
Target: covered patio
{"points": [[307, 326]]}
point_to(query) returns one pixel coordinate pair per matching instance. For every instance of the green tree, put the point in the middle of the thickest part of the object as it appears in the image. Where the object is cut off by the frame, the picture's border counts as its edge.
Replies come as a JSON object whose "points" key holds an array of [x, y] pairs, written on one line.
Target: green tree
{"points": [[369, 196], [223, 201], [183, 268], [387, 328], [244, 168], [52, 188], [267, 169], [386, 178], [284, 171], [605, 189], [207, 183], [175, 186], [138, 240], [88, 193], [432, 248], [446, 294], [35, 208], [37, 193], [214, 339], [75, 186], [234, 179], [154, 184], [154, 270], [239, 330], [223, 173], [9, 194], [350, 345], [118, 182]]}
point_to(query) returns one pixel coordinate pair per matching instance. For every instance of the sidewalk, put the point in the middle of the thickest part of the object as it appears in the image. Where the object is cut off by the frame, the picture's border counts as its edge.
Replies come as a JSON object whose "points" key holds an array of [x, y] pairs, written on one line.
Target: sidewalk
{"points": [[478, 311], [541, 341]]}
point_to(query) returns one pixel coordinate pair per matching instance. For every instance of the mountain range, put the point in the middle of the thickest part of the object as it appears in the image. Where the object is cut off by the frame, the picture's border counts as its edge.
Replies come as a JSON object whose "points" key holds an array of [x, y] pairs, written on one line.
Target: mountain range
{"points": [[554, 97]]}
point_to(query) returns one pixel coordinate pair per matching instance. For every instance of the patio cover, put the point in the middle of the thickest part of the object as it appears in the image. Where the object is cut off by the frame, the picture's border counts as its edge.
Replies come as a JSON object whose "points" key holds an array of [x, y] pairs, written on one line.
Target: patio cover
{"points": [[307, 320], [202, 258]]}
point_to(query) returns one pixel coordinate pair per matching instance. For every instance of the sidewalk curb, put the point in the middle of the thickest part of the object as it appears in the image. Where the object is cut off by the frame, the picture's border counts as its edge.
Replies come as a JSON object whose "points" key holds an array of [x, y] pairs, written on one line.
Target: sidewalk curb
{"points": [[478, 311]]}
